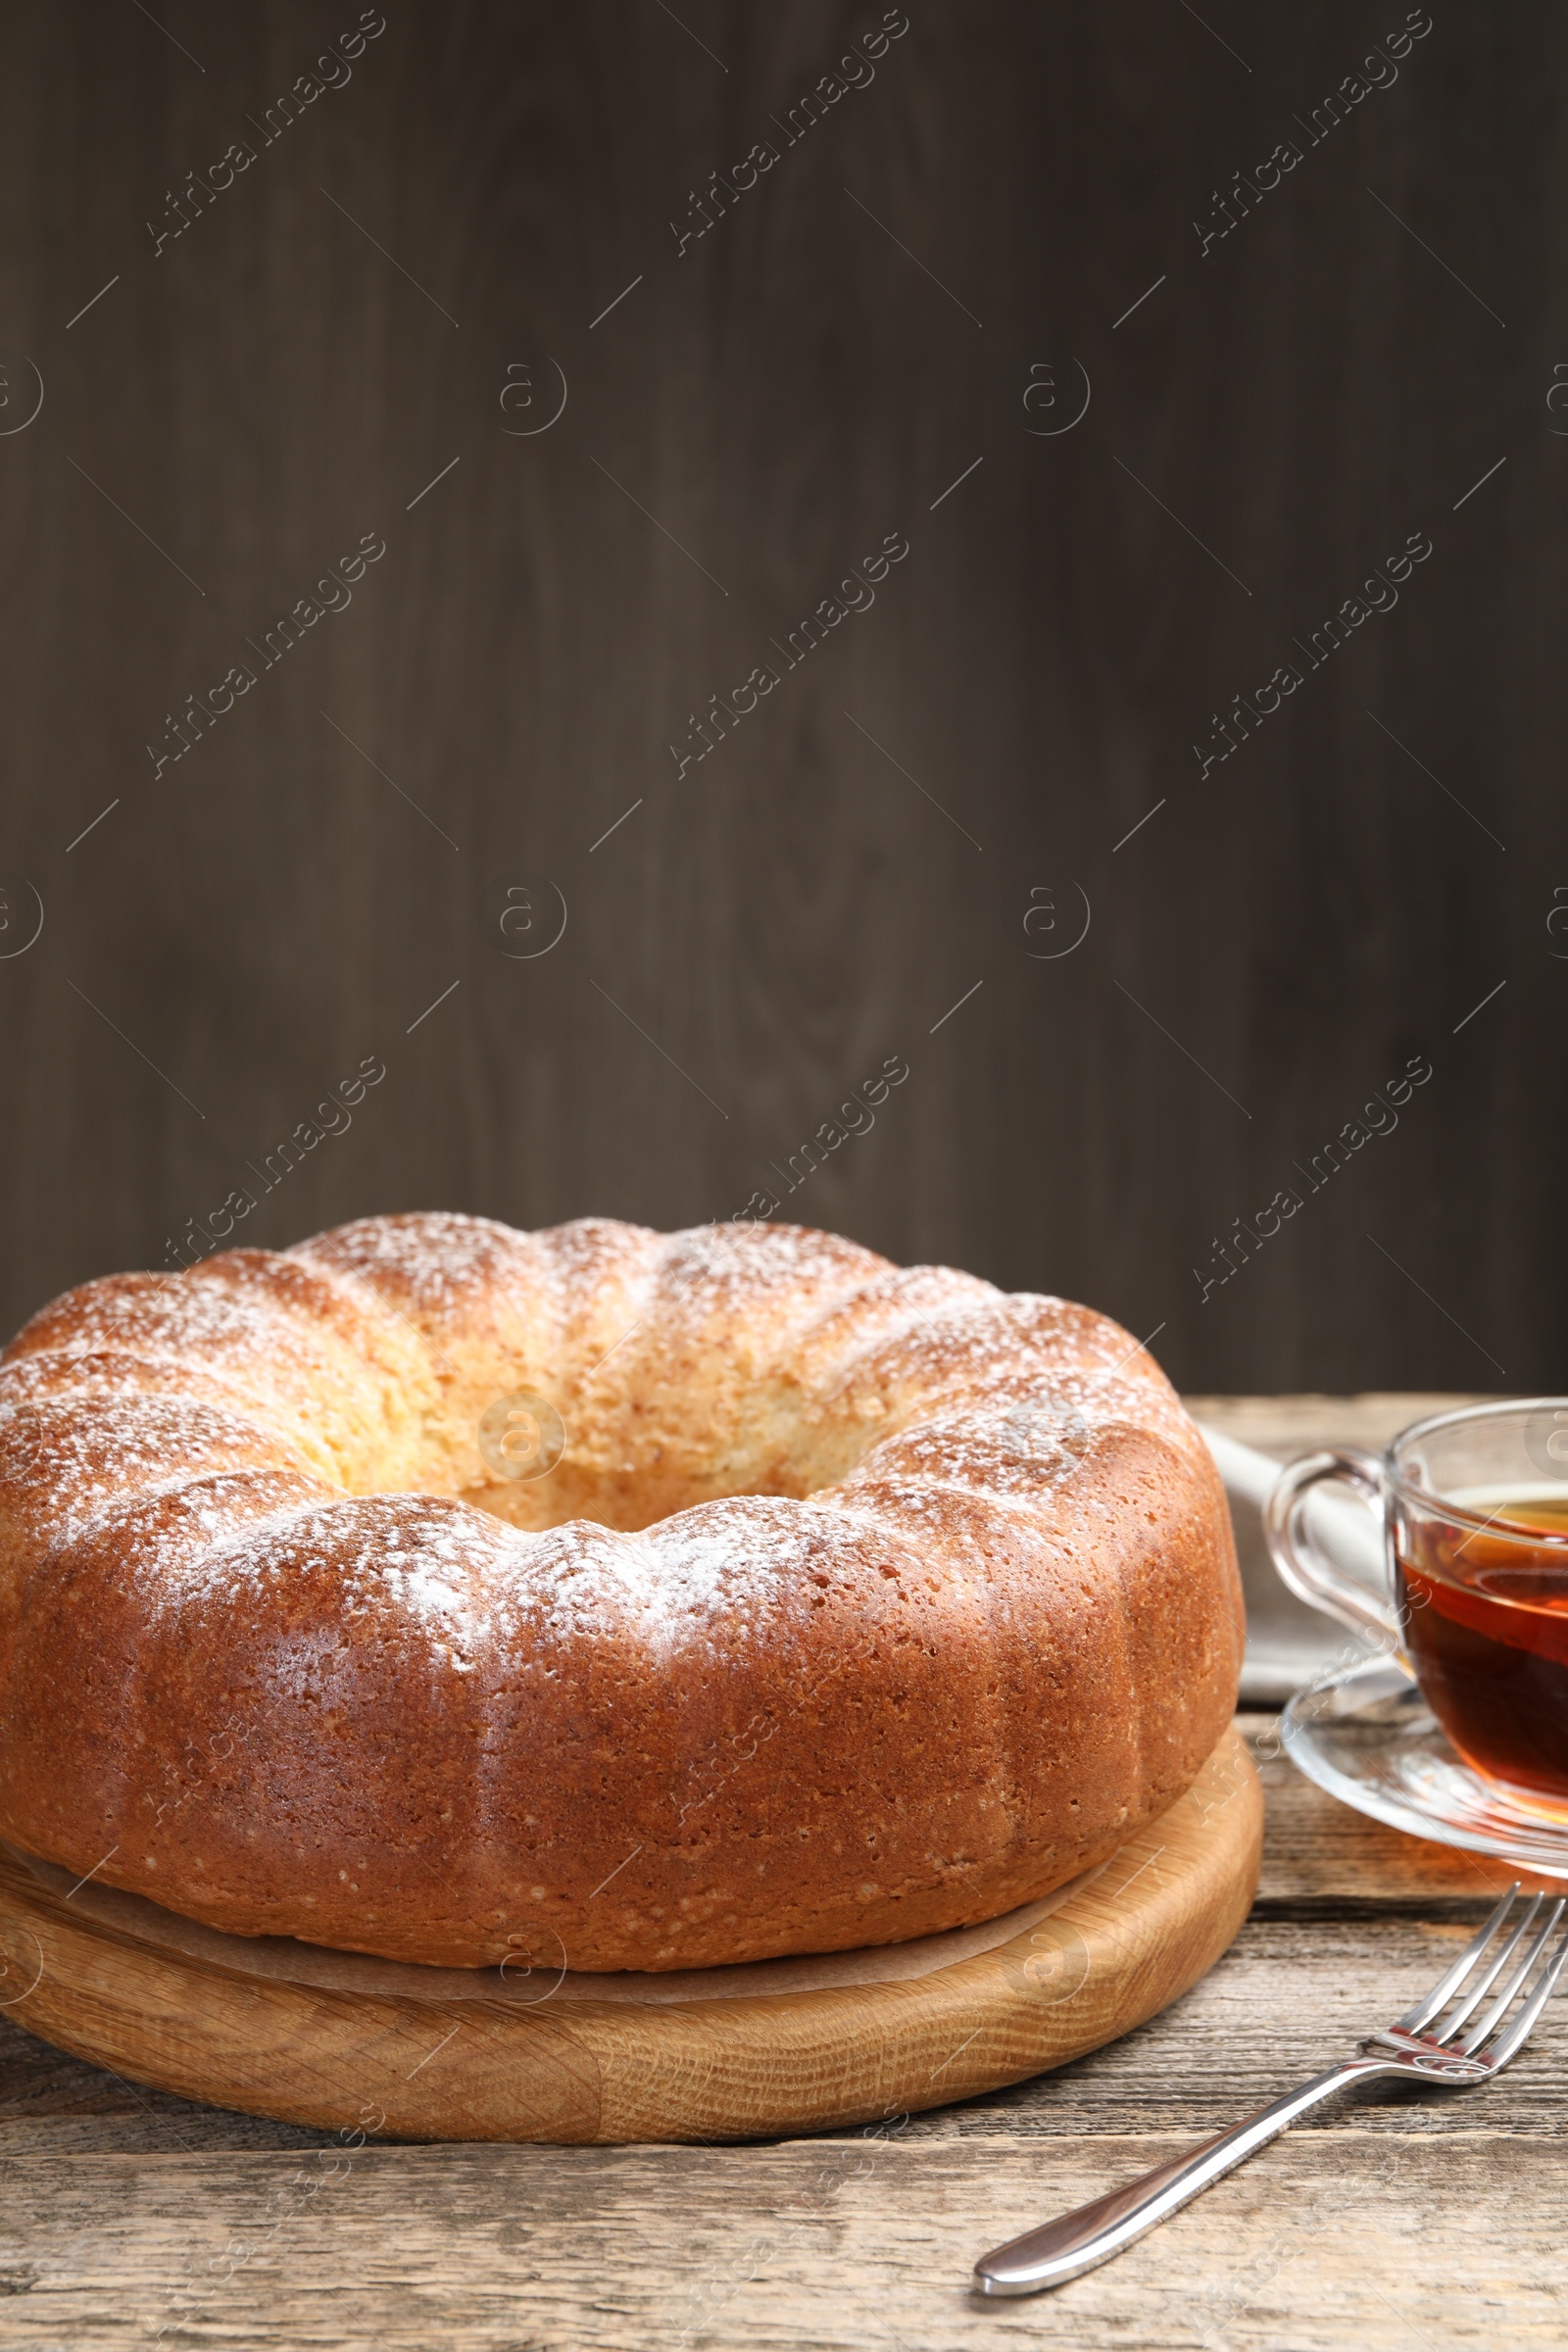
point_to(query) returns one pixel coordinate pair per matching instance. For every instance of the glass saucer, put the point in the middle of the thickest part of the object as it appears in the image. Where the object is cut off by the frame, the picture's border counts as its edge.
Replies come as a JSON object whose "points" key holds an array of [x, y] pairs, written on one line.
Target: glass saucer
{"points": [[1369, 1739]]}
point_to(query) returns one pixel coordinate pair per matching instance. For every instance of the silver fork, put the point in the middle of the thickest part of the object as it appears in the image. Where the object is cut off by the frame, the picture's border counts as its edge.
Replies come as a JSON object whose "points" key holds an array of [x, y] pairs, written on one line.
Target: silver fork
{"points": [[1422, 2044]]}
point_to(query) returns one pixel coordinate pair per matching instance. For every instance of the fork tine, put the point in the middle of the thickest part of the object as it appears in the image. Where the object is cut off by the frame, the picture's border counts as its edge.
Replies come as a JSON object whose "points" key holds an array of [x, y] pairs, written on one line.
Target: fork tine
{"points": [[1513, 2041], [1472, 2041], [1448, 2031], [1414, 2020]]}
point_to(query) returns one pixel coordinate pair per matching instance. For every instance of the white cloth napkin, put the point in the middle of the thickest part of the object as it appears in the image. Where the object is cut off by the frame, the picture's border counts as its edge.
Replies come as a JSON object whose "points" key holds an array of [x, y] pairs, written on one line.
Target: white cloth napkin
{"points": [[1289, 1645]]}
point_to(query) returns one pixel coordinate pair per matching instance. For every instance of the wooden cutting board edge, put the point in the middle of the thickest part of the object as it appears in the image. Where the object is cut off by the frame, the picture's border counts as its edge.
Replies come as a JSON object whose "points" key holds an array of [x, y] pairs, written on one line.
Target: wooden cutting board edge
{"points": [[1116, 1953]]}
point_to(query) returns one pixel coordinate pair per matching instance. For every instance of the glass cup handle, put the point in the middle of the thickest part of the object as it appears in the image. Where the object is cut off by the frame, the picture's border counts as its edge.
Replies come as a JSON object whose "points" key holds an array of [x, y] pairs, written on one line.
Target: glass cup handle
{"points": [[1302, 1564]]}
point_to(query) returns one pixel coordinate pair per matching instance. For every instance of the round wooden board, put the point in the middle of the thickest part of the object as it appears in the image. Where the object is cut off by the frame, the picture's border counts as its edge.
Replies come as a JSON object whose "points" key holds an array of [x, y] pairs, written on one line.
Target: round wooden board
{"points": [[1124, 1946]]}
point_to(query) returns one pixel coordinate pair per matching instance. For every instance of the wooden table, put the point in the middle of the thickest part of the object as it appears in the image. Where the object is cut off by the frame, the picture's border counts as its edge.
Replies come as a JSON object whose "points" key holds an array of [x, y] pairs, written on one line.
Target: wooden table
{"points": [[1406, 2222]]}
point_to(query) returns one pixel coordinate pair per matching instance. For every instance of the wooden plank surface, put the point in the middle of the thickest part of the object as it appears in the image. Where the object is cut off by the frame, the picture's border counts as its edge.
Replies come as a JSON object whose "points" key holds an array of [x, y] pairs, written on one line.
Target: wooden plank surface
{"points": [[1287, 404], [1387, 2222], [1333, 2242]]}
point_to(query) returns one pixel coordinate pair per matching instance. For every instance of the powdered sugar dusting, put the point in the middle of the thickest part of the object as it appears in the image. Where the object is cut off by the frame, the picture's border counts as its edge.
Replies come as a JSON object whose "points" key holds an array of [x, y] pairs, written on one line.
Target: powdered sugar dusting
{"points": [[66, 1463], [145, 1387], [428, 1265]]}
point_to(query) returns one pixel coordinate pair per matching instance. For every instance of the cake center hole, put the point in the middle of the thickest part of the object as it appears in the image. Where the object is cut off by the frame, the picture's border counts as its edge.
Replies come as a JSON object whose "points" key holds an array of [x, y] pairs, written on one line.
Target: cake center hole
{"points": [[538, 1472]]}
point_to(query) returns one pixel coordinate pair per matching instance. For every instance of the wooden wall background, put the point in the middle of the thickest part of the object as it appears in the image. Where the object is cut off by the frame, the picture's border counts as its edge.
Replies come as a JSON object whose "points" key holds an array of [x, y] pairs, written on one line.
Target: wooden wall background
{"points": [[332, 332]]}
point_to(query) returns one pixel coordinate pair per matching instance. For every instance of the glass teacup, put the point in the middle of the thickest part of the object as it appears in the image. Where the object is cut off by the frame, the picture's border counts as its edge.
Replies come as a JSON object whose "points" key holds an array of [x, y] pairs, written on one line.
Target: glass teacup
{"points": [[1474, 1507]]}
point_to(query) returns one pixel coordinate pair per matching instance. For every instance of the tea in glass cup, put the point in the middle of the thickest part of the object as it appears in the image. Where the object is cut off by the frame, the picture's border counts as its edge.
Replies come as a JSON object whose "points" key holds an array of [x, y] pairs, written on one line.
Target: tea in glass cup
{"points": [[1474, 1506]]}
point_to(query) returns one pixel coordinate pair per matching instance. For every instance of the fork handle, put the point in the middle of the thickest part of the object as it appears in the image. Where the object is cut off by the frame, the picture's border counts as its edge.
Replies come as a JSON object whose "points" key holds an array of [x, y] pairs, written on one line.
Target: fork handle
{"points": [[1078, 2242]]}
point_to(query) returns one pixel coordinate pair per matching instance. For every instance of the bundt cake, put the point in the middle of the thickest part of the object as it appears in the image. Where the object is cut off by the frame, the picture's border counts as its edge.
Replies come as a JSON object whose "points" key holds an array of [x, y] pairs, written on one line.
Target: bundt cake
{"points": [[853, 1603]]}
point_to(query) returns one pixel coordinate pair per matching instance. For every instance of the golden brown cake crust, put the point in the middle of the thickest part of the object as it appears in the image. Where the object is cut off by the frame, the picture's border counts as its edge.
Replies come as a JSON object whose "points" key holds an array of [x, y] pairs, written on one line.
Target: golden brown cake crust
{"points": [[862, 1603]]}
